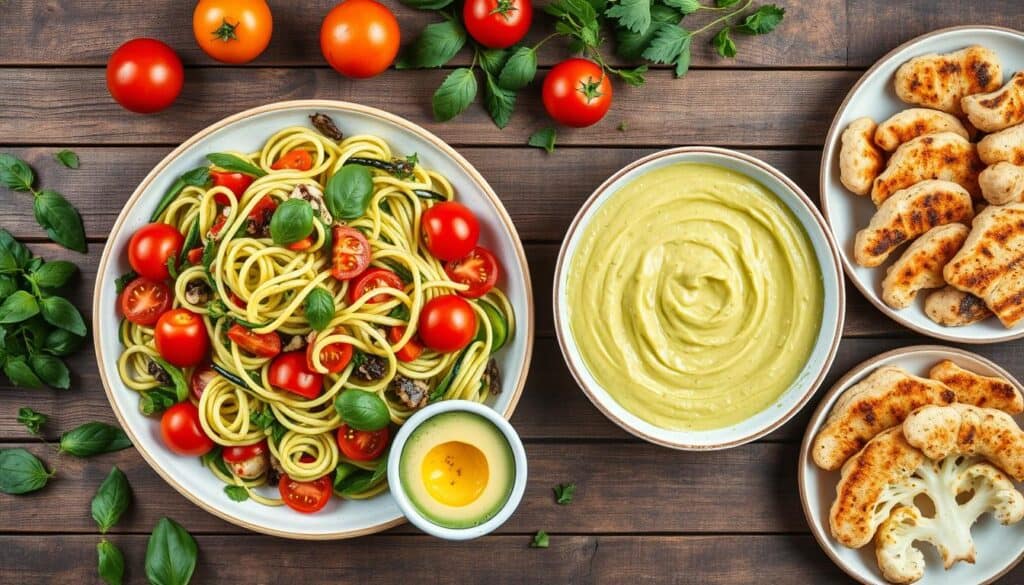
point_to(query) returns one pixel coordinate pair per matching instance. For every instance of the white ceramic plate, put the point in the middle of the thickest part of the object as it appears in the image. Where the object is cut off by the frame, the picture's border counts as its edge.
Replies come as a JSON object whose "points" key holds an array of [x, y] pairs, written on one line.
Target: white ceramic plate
{"points": [[790, 402], [999, 548], [247, 131], [847, 213]]}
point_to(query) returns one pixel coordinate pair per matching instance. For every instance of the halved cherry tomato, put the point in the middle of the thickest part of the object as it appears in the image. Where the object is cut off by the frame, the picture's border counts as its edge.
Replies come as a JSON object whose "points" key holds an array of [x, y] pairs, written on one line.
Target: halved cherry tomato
{"points": [[236, 182], [151, 247], [350, 254], [303, 244], [195, 256], [373, 279], [144, 300], [201, 378], [362, 445], [218, 225], [305, 496], [182, 432], [412, 348], [298, 159], [288, 372], [478, 269], [181, 338], [334, 357], [261, 213], [237, 454], [447, 323], [265, 345], [450, 230]]}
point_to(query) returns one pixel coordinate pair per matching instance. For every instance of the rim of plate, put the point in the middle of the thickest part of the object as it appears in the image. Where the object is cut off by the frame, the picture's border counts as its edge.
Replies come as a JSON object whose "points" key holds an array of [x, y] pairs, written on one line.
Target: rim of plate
{"points": [[406, 125], [817, 419], [828, 153], [798, 193]]}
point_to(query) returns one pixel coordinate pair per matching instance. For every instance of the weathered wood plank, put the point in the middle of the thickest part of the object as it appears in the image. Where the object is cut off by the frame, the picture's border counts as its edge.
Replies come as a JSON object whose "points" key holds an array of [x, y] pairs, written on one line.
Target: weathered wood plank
{"points": [[750, 108]]}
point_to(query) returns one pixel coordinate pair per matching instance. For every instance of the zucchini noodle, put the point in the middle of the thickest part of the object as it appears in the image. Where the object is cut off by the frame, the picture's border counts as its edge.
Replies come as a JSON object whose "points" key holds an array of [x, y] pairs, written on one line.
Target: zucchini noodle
{"points": [[245, 279]]}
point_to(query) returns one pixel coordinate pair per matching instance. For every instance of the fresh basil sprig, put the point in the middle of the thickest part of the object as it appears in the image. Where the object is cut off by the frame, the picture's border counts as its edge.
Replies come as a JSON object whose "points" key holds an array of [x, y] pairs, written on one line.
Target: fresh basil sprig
{"points": [[110, 563], [21, 472], [292, 221], [92, 439], [111, 500], [32, 420], [170, 554], [235, 164], [362, 410], [348, 192], [319, 307]]}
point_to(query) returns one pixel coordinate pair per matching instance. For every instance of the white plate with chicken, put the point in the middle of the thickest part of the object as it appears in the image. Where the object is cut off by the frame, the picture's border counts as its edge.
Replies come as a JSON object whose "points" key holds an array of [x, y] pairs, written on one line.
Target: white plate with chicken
{"points": [[910, 470], [922, 183]]}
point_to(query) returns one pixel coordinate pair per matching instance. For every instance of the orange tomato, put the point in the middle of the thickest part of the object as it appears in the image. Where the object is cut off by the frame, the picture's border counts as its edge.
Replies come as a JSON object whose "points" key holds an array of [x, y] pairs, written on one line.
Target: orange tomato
{"points": [[232, 31], [360, 38]]}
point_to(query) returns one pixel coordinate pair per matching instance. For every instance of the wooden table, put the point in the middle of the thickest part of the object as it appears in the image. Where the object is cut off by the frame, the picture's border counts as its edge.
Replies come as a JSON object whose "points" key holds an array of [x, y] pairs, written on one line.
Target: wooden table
{"points": [[642, 514]]}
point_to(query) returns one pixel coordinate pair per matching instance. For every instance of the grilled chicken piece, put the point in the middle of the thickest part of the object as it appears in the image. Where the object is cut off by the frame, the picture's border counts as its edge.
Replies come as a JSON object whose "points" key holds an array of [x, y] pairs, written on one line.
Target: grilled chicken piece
{"points": [[860, 161], [1002, 183], [1003, 146], [973, 388], [991, 112], [908, 214], [951, 307], [944, 156], [913, 122], [920, 267], [963, 429], [940, 81], [1007, 299]]}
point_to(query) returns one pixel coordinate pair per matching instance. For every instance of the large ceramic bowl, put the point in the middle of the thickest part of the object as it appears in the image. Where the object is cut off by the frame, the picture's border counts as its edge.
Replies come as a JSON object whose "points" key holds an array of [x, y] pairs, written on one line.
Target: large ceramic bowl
{"points": [[827, 340], [246, 131], [874, 96]]}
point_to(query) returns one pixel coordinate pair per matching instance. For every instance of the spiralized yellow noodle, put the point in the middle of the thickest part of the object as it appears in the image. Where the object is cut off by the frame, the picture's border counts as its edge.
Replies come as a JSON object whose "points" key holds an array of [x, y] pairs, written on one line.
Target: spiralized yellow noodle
{"points": [[264, 286]]}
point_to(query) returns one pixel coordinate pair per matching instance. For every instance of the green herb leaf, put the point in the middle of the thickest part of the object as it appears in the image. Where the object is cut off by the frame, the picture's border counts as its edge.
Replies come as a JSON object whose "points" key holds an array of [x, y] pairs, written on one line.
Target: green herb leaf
{"points": [[61, 342], [427, 4], [15, 174], [67, 158], [519, 70], [21, 472], [684, 6], [350, 480], [59, 312], [157, 400], [235, 164], [292, 221], [543, 138], [630, 45], [50, 370], [170, 554], [348, 192], [111, 563], [762, 21], [724, 44], [92, 439], [362, 410], [499, 101], [683, 62], [124, 280], [667, 44], [237, 493], [177, 377], [111, 500], [492, 60], [454, 95], [18, 307], [564, 493], [540, 540], [21, 254], [436, 45], [635, 15], [32, 420], [725, 3], [54, 274], [319, 307], [19, 373], [633, 77], [60, 220]]}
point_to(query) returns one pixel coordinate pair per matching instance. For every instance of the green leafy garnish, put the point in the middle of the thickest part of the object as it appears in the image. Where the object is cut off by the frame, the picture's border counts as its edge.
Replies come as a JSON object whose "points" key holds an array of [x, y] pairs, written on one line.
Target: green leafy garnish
{"points": [[292, 221], [237, 493], [564, 493], [110, 563], [21, 472], [92, 439], [32, 420], [235, 164], [540, 540], [436, 46], [111, 500], [68, 159], [348, 192], [170, 554], [319, 307], [456, 92], [362, 410], [543, 138]]}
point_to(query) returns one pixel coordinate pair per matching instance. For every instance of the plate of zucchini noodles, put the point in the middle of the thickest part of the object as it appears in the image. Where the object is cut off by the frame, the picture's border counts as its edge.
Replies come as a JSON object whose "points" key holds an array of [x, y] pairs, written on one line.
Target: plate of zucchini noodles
{"points": [[284, 290]]}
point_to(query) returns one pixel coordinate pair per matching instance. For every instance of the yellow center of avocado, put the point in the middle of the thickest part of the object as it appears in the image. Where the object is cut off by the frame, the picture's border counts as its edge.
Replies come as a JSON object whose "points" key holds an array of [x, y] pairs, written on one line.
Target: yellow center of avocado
{"points": [[455, 473]]}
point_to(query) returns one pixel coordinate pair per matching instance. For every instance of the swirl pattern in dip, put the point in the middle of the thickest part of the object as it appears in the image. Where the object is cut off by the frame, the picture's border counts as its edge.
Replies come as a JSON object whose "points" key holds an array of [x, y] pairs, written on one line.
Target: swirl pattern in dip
{"points": [[694, 297]]}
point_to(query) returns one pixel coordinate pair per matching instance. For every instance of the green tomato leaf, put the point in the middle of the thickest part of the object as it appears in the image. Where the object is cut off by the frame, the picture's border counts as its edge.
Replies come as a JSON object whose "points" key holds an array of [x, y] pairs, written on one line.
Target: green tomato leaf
{"points": [[454, 95], [499, 101], [60, 220], [32, 420], [20, 373], [67, 158], [170, 554], [111, 500], [15, 174], [349, 191], [543, 138], [519, 70], [110, 564], [50, 370], [235, 164], [362, 410], [92, 439], [436, 45], [724, 44], [59, 312], [54, 274], [634, 15], [763, 21], [292, 221], [18, 307], [319, 307], [237, 493], [21, 472]]}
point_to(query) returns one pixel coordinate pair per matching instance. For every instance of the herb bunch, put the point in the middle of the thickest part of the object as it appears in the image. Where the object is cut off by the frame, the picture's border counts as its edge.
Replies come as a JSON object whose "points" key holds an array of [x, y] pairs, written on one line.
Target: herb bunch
{"points": [[53, 212]]}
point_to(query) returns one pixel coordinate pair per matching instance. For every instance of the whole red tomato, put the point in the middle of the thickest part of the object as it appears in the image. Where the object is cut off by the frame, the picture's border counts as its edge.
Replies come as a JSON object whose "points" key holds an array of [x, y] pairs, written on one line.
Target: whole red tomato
{"points": [[181, 339], [152, 246], [577, 93], [182, 431], [145, 75], [450, 230], [447, 323], [497, 24], [360, 38]]}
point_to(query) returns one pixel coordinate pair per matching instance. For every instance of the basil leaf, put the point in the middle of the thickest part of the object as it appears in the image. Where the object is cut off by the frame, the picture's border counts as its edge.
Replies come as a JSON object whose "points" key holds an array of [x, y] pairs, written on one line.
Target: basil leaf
{"points": [[67, 158], [319, 308], [543, 138], [32, 420], [18, 307], [21, 472], [124, 280], [61, 342], [454, 95], [436, 45], [350, 480], [519, 70], [15, 174], [170, 554], [156, 401], [54, 274], [292, 221], [492, 60], [59, 312], [19, 373], [348, 192], [197, 177], [92, 439], [21, 254], [50, 370], [427, 4], [362, 410], [111, 500], [724, 44], [111, 563], [235, 164], [60, 220], [236, 493], [499, 101], [177, 377], [8, 264]]}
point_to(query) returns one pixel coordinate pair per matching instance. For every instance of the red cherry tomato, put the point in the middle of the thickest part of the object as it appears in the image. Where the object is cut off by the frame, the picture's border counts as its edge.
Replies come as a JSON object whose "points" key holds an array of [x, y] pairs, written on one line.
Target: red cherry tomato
{"points": [[362, 445], [144, 75], [298, 159], [305, 496], [360, 38], [350, 254], [238, 454], [182, 432], [450, 230], [195, 256], [201, 378], [373, 279], [334, 357], [236, 182], [412, 348], [144, 300], [303, 244], [478, 269], [181, 338], [497, 24], [265, 345], [260, 214], [577, 93], [447, 323], [288, 372], [151, 247]]}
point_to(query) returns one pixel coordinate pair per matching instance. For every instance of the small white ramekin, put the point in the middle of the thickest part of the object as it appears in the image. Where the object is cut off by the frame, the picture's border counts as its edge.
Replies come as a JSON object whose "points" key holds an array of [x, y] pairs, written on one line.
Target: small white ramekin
{"points": [[410, 510]]}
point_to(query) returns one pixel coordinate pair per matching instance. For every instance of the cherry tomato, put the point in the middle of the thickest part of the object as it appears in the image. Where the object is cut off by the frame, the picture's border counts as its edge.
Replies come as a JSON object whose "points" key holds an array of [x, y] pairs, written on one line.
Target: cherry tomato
{"points": [[238, 454], [232, 31], [362, 445], [195, 256], [478, 269], [151, 247], [350, 254], [497, 24], [288, 372], [303, 244], [334, 357], [305, 496], [577, 93], [182, 432], [298, 159], [412, 348], [447, 323], [218, 224], [265, 345], [201, 378], [450, 230], [261, 213], [144, 75], [236, 182], [181, 338], [144, 300], [360, 38], [373, 279]]}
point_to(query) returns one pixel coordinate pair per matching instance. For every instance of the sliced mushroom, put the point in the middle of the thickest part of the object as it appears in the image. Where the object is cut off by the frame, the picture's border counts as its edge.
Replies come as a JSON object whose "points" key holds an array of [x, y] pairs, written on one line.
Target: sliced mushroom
{"points": [[296, 343], [492, 377], [413, 393], [197, 292], [158, 373], [315, 197], [370, 368]]}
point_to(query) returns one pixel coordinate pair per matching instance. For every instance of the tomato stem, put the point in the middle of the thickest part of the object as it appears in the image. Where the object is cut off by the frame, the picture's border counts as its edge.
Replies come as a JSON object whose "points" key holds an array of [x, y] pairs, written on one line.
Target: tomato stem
{"points": [[226, 31]]}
